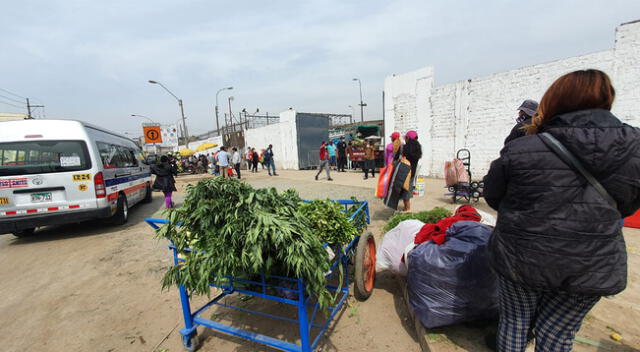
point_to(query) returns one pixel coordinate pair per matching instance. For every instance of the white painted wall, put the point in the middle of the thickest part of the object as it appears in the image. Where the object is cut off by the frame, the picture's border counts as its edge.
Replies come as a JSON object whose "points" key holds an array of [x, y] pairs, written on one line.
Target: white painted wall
{"points": [[283, 137], [479, 113]]}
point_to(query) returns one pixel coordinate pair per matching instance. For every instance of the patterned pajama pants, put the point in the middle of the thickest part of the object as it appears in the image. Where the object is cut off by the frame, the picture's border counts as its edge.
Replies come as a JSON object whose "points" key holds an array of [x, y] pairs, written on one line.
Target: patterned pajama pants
{"points": [[555, 317]]}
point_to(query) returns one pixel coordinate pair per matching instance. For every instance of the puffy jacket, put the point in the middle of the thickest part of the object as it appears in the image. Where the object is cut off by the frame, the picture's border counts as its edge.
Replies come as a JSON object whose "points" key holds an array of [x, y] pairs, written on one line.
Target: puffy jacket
{"points": [[554, 230], [517, 131], [164, 177]]}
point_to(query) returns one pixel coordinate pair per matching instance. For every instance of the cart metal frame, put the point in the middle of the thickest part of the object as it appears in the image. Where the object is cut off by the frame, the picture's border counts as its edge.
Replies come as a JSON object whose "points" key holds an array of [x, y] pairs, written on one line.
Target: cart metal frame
{"points": [[308, 343]]}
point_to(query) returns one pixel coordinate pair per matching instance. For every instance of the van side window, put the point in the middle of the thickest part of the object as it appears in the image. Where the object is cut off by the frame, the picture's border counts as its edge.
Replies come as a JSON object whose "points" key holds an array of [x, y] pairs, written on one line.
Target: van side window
{"points": [[128, 157], [110, 155]]}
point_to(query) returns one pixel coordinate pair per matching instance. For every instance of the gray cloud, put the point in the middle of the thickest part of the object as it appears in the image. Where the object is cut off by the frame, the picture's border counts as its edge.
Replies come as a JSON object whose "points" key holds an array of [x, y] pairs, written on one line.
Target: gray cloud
{"points": [[91, 61]]}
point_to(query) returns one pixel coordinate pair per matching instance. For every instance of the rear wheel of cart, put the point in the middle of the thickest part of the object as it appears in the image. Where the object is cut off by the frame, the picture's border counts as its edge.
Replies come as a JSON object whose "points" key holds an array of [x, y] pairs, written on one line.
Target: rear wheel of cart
{"points": [[25, 232], [365, 266], [190, 343]]}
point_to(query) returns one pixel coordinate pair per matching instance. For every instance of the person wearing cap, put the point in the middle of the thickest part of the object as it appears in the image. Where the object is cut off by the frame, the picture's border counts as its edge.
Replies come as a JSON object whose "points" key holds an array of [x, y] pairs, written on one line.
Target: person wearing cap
{"points": [[525, 112], [392, 148], [342, 155]]}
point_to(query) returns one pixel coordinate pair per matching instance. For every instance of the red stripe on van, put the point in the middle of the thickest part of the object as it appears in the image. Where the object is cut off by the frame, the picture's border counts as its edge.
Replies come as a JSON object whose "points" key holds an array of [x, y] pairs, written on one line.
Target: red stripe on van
{"points": [[31, 211], [74, 206], [11, 213], [52, 209]]}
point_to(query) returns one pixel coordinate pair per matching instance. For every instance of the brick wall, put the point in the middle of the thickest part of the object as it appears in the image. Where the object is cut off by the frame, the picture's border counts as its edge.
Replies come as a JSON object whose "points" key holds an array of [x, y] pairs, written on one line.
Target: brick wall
{"points": [[478, 113]]}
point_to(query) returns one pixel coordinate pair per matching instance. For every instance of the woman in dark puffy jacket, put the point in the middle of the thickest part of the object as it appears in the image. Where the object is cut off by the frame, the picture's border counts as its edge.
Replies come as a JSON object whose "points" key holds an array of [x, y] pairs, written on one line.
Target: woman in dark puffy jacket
{"points": [[164, 179], [558, 245]]}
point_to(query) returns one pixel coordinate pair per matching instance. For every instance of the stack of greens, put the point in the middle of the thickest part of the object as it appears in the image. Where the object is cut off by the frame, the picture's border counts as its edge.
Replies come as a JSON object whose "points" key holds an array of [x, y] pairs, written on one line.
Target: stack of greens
{"points": [[235, 230], [428, 217]]}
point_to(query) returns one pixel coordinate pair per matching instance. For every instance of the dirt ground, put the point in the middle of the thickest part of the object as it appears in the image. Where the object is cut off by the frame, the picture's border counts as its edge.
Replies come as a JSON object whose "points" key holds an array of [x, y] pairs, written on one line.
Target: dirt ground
{"points": [[95, 287]]}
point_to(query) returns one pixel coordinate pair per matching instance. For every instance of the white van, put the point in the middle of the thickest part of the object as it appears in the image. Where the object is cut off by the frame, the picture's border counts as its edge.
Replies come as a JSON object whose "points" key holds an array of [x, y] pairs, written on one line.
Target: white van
{"points": [[63, 171]]}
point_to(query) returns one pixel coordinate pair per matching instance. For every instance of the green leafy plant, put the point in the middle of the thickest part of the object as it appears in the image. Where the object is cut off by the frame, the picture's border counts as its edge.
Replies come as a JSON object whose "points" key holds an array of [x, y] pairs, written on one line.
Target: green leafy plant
{"points": [[328, 221], [227, 228], [428, 217]]}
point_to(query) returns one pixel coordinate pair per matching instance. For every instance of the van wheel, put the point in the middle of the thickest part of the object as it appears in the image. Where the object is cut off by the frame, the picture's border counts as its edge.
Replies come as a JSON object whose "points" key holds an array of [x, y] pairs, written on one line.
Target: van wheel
{"points": [[122, 213], [25, 232], [147, 196]]}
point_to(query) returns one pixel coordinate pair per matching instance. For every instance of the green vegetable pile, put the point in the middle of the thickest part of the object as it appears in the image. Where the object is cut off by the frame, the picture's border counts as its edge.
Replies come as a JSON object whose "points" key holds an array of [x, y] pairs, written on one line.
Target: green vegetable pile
{"points": [[235, 230], [428, 217]]}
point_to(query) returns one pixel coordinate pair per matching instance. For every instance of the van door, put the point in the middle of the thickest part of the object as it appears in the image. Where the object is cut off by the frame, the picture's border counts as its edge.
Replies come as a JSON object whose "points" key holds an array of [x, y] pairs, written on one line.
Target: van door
{"points": [[42, 176]]}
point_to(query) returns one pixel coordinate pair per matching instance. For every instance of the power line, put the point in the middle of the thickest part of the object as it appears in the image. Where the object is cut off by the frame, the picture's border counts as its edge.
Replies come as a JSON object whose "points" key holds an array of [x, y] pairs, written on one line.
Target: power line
{"points": [[17, 106], [14, 94], [15, 100]]}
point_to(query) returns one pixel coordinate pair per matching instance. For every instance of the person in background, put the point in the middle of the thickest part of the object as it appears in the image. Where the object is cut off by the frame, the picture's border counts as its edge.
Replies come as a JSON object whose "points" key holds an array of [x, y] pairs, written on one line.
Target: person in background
{"points": [[412, 151], [331, 149], [324, 161], [164, 179], [247, 158], [349, 151], [254, 160], [236, 159], [369, 162], [392, 148], [342, 155], [268, 160], [262, 158], [223, 160], [525, 112], [558, 247]]}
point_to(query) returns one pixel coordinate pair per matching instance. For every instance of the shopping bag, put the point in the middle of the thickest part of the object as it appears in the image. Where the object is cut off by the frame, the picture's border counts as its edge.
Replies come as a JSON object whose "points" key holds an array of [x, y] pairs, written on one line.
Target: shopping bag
{"points": [[383, 181]]}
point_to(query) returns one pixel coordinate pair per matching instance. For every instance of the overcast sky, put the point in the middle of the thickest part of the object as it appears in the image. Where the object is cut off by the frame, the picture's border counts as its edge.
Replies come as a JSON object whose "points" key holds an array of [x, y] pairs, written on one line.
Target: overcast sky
{"points": [[91, 60]]}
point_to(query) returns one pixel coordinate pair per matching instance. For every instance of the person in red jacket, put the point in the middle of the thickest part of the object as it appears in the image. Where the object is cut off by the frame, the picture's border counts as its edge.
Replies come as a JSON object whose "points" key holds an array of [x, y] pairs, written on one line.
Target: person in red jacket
{"points": [[324, 161]]}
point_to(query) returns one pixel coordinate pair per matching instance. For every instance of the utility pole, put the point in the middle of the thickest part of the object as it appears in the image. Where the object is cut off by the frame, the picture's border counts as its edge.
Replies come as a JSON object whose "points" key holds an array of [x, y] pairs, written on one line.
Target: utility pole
{"points": [[29, 106], [28, 109]]}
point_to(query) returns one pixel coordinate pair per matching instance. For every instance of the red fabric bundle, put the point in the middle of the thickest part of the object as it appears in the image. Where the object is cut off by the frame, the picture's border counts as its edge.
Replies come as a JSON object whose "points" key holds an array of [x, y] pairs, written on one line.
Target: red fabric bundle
{"points": [[437, 232]]}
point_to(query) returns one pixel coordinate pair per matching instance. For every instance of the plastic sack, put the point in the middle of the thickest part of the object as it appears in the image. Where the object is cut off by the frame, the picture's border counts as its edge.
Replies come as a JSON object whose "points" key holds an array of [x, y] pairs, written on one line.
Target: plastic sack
{"points": [[383, 181], [462, 174], [454, 172], [390, 251], [453, 283]]}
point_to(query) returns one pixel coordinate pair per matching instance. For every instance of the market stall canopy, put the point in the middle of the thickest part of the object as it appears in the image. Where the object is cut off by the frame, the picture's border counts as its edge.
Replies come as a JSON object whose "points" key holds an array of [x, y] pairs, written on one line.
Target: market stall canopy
{"points": [[186, 152], [205, 146]]}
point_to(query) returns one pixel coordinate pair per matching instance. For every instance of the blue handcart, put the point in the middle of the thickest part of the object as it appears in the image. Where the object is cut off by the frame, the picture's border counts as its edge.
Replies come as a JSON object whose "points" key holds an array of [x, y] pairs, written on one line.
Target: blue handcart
{"points": [[361, 252]]}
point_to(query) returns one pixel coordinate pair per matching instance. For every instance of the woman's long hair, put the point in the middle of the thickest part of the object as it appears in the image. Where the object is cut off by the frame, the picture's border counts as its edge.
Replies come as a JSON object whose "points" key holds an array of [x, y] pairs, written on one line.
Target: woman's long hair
{"points": [[579, 90]]}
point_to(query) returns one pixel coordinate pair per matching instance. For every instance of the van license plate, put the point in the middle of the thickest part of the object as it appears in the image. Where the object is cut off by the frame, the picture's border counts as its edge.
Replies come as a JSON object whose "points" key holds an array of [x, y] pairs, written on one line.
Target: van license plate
{"points": [[40, 197], [4, 200]]}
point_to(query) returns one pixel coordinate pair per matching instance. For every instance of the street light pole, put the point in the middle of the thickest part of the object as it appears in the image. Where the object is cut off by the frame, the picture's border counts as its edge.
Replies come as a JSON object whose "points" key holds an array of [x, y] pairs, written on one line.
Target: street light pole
{"points": [[361, 103], [217, 120], [184, 122], [134, 115]]}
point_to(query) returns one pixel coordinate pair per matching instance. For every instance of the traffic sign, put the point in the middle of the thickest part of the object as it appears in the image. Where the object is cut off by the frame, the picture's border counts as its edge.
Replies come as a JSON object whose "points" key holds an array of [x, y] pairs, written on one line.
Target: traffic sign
{"points": [[152, 134]]}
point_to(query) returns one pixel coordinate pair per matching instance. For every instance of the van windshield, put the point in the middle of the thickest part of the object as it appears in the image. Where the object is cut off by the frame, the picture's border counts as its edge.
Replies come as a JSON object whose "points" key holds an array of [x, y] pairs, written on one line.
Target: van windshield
{"points": [[40, 157]]}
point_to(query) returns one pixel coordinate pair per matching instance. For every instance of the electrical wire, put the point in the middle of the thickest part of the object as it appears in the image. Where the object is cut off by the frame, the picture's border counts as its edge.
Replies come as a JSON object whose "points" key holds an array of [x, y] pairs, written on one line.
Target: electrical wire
{"points": [[17, 106], [14, 100], [14, 94]]}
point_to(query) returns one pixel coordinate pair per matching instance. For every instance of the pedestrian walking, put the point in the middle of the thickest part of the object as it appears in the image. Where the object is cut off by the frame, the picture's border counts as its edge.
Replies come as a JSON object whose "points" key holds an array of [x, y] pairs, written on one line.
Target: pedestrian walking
{"points": [[331, 149], [235, 160], [324, 161], [369, 163], [268, 160], [247, 158], [349, 151], [392, 148], [525, 112], [254, 160], [342, 155], [165, 181], [223, 160], [412, 151], [561, 192]]}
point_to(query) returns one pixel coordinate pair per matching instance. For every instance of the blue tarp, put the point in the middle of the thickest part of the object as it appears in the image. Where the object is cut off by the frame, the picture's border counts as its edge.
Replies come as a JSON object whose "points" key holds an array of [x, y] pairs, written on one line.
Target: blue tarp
{"points": [[453, 283]]}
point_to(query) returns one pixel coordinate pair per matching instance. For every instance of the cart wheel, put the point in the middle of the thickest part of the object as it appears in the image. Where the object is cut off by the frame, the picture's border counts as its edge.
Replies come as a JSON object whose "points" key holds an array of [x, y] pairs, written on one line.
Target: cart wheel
{"points": [[452, 189], [365, 270], [190, 343], [474, 185]]}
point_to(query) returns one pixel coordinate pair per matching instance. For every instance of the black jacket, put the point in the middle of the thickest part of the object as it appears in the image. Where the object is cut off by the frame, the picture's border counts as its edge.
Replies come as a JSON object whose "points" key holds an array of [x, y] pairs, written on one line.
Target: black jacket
{"points": [[164, 177], [517, 131], [554, 230]]}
